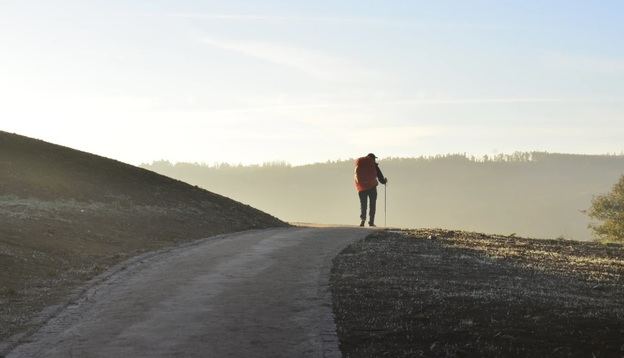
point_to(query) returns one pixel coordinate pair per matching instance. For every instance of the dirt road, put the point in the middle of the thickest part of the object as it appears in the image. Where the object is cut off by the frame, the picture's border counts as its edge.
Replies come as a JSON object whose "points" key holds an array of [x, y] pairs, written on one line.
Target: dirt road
{"points": [[254, 294]]}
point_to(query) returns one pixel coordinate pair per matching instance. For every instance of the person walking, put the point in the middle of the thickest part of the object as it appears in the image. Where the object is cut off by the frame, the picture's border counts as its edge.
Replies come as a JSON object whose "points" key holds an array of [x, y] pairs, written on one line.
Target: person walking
{"points": [[367, 175]]}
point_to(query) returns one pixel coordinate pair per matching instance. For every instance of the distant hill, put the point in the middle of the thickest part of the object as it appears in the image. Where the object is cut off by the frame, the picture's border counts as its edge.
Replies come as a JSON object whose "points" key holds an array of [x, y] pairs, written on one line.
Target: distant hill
{"points": [[67, 215], [531, 194]]}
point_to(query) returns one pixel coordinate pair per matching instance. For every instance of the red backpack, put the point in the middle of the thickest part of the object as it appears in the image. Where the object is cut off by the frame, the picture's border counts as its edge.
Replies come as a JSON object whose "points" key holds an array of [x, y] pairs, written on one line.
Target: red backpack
{"points": [[365, 174]]}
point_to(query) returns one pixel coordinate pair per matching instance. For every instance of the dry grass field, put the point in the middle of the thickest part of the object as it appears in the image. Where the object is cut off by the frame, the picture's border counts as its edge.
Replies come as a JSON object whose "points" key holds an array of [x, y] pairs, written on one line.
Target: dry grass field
{"points": [[436, 293]]}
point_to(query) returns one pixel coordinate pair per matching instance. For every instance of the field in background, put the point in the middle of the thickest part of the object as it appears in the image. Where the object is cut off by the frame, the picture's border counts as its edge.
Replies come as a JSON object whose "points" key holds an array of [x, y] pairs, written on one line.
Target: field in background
{"points": [[531, 194]]}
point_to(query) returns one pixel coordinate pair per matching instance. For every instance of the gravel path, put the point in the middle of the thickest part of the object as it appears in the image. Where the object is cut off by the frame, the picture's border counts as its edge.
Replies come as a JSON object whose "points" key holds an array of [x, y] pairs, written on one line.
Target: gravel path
{"points": [[253, 294]]}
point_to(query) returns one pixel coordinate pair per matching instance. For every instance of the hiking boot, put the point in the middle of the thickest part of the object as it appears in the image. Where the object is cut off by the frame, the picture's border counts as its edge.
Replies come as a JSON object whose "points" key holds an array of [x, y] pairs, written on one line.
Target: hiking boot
{"points": [[371, 224], [362, 223]]}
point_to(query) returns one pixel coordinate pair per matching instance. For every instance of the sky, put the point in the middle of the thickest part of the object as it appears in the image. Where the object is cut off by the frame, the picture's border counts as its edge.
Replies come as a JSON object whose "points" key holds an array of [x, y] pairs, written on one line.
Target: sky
{"points": [[309, 81]]}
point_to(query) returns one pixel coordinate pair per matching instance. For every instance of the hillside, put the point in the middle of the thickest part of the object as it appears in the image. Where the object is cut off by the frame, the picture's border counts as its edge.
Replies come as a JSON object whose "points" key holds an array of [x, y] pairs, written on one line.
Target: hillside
{"points": [[538, 195], [436, 293], [66, 216]]}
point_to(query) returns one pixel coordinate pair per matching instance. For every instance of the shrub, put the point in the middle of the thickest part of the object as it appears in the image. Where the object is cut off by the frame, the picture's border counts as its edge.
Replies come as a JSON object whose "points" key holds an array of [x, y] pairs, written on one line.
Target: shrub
{"points": [[609, 210]]}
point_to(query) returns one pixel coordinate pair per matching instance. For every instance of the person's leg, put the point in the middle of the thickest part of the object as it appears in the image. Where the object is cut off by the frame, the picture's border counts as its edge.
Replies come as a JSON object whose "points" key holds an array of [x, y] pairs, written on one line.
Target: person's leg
{"points": [[363, 204], [373, 205]]}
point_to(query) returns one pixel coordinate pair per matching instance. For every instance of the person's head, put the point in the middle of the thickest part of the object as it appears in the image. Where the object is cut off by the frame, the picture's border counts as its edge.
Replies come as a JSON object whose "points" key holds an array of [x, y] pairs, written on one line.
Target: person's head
{"points": [[372, 156]]}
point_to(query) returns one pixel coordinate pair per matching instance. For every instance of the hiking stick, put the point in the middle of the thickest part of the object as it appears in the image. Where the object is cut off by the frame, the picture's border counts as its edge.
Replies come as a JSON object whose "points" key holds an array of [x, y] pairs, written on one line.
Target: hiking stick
{"points": [[386, 205]]}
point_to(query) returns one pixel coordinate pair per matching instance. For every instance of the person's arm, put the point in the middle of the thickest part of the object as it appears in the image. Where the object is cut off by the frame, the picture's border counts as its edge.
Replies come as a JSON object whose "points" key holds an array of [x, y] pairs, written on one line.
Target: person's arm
{"points": [[380, 176]]}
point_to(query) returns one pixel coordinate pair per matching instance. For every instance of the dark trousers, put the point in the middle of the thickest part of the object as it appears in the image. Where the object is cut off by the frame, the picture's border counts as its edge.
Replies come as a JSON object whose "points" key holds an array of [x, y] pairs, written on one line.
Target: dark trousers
{"points": [[364, 197]]}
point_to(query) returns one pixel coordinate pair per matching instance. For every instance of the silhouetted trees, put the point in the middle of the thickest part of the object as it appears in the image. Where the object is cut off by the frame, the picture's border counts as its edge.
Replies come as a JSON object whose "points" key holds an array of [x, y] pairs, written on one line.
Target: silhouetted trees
{"points": [[609, 210]]}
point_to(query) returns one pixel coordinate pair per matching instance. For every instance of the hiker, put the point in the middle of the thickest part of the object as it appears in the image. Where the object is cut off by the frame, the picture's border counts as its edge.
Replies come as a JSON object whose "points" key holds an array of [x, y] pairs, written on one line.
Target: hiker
{"points": [[367, 173]]}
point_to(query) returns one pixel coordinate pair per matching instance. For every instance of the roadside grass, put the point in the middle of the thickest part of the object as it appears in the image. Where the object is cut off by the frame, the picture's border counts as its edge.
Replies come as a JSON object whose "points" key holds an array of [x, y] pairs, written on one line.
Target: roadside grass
{"points": [[46, 250]]}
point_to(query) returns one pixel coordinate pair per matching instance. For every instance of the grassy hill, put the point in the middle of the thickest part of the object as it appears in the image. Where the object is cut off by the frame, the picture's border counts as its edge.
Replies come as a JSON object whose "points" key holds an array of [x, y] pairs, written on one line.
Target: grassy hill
{"points": [[66, 216]]}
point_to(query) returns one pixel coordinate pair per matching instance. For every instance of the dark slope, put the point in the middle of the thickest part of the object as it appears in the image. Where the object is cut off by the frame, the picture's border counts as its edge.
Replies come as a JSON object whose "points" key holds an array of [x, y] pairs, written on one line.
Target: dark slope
{"points": [[67, 215]]}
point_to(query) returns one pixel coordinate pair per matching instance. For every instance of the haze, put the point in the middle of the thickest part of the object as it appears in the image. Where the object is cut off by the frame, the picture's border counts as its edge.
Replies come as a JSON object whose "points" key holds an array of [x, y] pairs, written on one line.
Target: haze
{"points": [[537, 195], [301, 81]]}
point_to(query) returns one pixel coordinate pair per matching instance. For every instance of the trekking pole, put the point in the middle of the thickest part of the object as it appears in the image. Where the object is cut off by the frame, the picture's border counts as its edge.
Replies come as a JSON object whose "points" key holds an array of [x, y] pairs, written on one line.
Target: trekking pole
{"points": [[386, 205]]}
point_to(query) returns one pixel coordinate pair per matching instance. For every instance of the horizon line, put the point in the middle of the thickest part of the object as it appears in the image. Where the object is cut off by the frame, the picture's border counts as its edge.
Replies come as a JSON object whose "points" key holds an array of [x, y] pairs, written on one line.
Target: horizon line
{"points": [[495, 157]]}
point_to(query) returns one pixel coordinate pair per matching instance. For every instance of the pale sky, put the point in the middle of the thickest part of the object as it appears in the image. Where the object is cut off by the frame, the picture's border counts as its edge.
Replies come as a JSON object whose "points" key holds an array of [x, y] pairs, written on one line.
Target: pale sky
{"points": [[306, 81]]}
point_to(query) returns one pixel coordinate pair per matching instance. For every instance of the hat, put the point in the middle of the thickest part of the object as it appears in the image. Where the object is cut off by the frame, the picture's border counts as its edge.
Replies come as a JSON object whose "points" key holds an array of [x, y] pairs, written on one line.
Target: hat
{"points": [[372, 155]]}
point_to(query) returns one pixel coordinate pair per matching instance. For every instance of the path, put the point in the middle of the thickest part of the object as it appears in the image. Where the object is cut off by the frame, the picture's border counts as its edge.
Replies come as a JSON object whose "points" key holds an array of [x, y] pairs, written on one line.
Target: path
{"points": [[254, 294]]}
